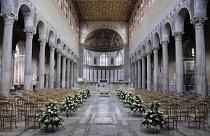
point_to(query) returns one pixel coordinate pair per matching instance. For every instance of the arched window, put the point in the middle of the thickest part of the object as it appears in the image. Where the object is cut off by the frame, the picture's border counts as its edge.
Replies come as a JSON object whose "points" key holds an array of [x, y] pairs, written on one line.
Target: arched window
{"points": [[119, 59], [103, 59], [88, 58]]}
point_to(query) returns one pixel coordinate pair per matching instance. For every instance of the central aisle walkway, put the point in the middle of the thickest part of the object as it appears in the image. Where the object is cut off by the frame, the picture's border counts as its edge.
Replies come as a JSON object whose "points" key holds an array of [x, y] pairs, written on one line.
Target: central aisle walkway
{"points": [[103, 117], [106, 116]]}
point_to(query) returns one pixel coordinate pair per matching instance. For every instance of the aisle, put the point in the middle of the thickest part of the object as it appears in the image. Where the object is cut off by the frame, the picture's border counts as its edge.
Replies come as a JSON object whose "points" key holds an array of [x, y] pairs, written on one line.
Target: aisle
{"points": [[103, 117]]}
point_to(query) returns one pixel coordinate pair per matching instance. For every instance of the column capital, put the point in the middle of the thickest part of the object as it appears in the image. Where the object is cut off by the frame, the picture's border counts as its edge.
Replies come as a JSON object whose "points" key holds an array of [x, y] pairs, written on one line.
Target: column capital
{"points": [[164, 42], [52, 49], [29, 32], [148, 53], [142, 56], [9, 19], [42, 42], [155, 49], [68, 59], [58, 50], [198, 22], [178, 35], [63, 57]]}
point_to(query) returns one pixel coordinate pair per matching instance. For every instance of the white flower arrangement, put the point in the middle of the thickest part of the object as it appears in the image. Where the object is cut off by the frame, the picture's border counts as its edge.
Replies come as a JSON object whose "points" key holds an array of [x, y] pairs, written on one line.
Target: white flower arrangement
{"points": [[153, 116], [68, 105], [50, 116], [138, 105]]}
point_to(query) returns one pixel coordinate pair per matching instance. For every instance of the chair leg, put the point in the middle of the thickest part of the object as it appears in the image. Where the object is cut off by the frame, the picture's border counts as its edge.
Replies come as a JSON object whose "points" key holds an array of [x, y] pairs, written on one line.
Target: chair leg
{"points": [[10, 124]]}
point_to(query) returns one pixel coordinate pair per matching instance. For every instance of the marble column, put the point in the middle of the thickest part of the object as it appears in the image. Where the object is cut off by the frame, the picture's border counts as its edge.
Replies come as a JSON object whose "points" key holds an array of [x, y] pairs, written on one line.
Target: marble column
{"points": [[13, 68], [136, 74], [156, 68], [149, 78], [63, 71], [42, 62], [133, 74], [51, 72], [165, 70], [58, 70], [72, 74], [200, 68], [68, 74], [75, 74], [139, 74], [7, 54], [179, 61], [143, 73], [28, 59]]}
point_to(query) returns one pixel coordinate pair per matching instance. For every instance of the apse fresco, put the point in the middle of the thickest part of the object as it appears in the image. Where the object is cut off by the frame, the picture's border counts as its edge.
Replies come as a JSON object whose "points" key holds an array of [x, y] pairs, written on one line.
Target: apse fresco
{"points": [[104, 38]]}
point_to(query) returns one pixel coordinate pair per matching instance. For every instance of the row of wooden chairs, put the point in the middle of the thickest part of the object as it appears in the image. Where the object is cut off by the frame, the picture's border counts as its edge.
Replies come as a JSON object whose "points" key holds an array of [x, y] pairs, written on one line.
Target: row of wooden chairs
{"points": [[27, 105], [179, 106]]}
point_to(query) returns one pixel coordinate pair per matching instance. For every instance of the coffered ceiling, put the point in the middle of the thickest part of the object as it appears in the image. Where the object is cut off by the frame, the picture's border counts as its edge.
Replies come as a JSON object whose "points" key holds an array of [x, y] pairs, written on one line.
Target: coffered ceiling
{"points": [[104, 10]]}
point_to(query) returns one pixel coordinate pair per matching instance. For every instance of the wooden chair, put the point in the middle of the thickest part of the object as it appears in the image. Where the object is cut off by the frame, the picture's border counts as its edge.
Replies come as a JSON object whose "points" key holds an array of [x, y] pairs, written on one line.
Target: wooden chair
{"points": [[30, 114], [19, 106], [184, 109], [172, 115], [7, 114], [199, 115], [40, 105]]}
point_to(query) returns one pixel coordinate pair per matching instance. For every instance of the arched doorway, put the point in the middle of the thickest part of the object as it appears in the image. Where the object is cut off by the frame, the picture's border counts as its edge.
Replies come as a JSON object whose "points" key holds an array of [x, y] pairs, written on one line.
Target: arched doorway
{"points": [[18, 65]]}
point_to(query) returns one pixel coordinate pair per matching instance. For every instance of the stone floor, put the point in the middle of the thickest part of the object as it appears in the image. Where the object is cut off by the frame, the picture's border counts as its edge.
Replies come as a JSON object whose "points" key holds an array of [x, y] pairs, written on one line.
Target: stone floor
{"points": [[104, 115]]}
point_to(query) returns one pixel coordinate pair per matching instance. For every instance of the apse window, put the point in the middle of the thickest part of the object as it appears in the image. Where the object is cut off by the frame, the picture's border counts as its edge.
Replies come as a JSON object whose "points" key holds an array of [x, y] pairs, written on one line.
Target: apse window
{"points": [[112, 61], [88, 58], [103, 59], [119, 59], [95, 61]]}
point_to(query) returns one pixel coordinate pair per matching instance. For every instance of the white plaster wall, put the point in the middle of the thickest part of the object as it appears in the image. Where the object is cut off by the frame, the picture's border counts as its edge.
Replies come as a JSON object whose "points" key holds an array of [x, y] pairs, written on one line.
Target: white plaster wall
{"points": [[158, 10], [49, 9]]}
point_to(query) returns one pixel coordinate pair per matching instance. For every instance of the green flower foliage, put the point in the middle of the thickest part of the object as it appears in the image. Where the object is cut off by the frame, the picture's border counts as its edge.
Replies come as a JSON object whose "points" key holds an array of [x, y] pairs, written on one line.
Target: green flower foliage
{"points": [[121, 94], [138, 105], [68, 105], [153, 116], [50, 116], [120, 82], [87, 82], [129, 99]]}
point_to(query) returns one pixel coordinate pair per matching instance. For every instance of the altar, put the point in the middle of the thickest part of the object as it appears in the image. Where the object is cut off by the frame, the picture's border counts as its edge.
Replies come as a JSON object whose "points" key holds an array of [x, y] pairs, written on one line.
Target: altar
{"points": [[103, 90]]}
